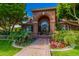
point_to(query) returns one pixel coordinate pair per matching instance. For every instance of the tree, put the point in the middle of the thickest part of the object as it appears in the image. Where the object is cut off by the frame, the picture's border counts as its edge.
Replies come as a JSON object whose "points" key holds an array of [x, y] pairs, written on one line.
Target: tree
{"points": [[67, 10], [11, 14]]}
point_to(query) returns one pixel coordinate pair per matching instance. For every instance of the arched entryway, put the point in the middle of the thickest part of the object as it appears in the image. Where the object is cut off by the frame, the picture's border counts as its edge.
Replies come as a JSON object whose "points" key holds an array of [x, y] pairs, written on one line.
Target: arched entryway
{"points": [[43, 25], [44, 16]]}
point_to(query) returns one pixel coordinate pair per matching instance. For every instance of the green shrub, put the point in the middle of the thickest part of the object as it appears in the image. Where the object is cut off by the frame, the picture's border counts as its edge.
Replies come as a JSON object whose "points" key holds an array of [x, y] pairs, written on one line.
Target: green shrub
{"points": [[4, 32], [17, 29], [20, 37], [77, 35], [76, 47], [70, 37], [58, 36], [58, 26]]}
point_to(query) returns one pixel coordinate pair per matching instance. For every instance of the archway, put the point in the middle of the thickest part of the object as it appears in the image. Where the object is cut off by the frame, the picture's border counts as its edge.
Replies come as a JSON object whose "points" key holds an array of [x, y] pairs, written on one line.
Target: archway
{"points": [[43, 25], [40, 14]]}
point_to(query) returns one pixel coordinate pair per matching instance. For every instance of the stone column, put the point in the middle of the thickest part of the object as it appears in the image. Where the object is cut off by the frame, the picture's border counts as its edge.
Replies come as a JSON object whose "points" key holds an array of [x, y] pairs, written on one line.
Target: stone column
{"points": [[52, 26], [35, 27]]}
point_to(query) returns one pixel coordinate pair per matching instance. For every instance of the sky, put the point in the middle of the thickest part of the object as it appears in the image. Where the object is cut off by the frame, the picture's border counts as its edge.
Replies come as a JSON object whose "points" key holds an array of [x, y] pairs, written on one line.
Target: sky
{"points": [[31, 6]]}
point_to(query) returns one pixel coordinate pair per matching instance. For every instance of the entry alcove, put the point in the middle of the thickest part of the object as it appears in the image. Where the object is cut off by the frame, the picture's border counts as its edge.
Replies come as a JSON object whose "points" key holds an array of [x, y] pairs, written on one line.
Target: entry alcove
{"points": [[43, 25]]}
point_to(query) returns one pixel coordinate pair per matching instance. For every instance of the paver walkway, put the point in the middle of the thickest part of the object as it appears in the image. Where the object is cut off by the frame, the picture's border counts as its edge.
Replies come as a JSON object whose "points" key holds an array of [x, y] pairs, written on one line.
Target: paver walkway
{"points": [[39, 48]]}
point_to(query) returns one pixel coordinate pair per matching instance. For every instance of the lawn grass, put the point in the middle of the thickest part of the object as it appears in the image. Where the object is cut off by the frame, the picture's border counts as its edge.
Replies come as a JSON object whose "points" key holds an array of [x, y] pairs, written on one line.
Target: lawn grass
{"points": [[74, 52], [6, 48]]}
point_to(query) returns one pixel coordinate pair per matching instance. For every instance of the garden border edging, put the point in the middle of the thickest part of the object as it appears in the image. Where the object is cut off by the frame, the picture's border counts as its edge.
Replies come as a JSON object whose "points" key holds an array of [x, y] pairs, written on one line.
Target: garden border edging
{"points": [[16, 46], [63, 49]]}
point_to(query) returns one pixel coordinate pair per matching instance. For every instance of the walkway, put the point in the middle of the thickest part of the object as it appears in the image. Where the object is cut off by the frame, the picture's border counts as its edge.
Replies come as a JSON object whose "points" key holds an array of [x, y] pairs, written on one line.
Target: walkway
{"points": [[39, 48]]}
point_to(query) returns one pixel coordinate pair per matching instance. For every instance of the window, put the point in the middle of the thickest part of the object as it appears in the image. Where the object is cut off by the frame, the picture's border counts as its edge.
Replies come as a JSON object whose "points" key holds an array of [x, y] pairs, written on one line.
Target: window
{"points": [[29, 28]]}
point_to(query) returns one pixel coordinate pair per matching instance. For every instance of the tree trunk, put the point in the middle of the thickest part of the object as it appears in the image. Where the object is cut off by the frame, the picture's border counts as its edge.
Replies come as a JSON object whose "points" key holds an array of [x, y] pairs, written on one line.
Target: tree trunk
{"points": [[13, 25]]}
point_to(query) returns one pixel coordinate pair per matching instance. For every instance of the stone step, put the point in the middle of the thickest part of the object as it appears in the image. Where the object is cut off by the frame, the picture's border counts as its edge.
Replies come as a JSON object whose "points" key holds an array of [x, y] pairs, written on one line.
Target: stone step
{"points": [[43, 36]]}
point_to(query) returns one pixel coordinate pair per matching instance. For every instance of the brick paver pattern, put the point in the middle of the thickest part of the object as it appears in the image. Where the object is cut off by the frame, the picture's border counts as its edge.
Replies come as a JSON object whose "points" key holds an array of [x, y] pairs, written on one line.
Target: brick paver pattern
{"points": [[39, 48]]}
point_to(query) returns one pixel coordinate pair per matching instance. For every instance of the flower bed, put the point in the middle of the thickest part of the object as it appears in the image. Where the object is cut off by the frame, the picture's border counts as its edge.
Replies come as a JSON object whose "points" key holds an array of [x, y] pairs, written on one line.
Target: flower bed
{"points": [[62, 39], [55, 44]]}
